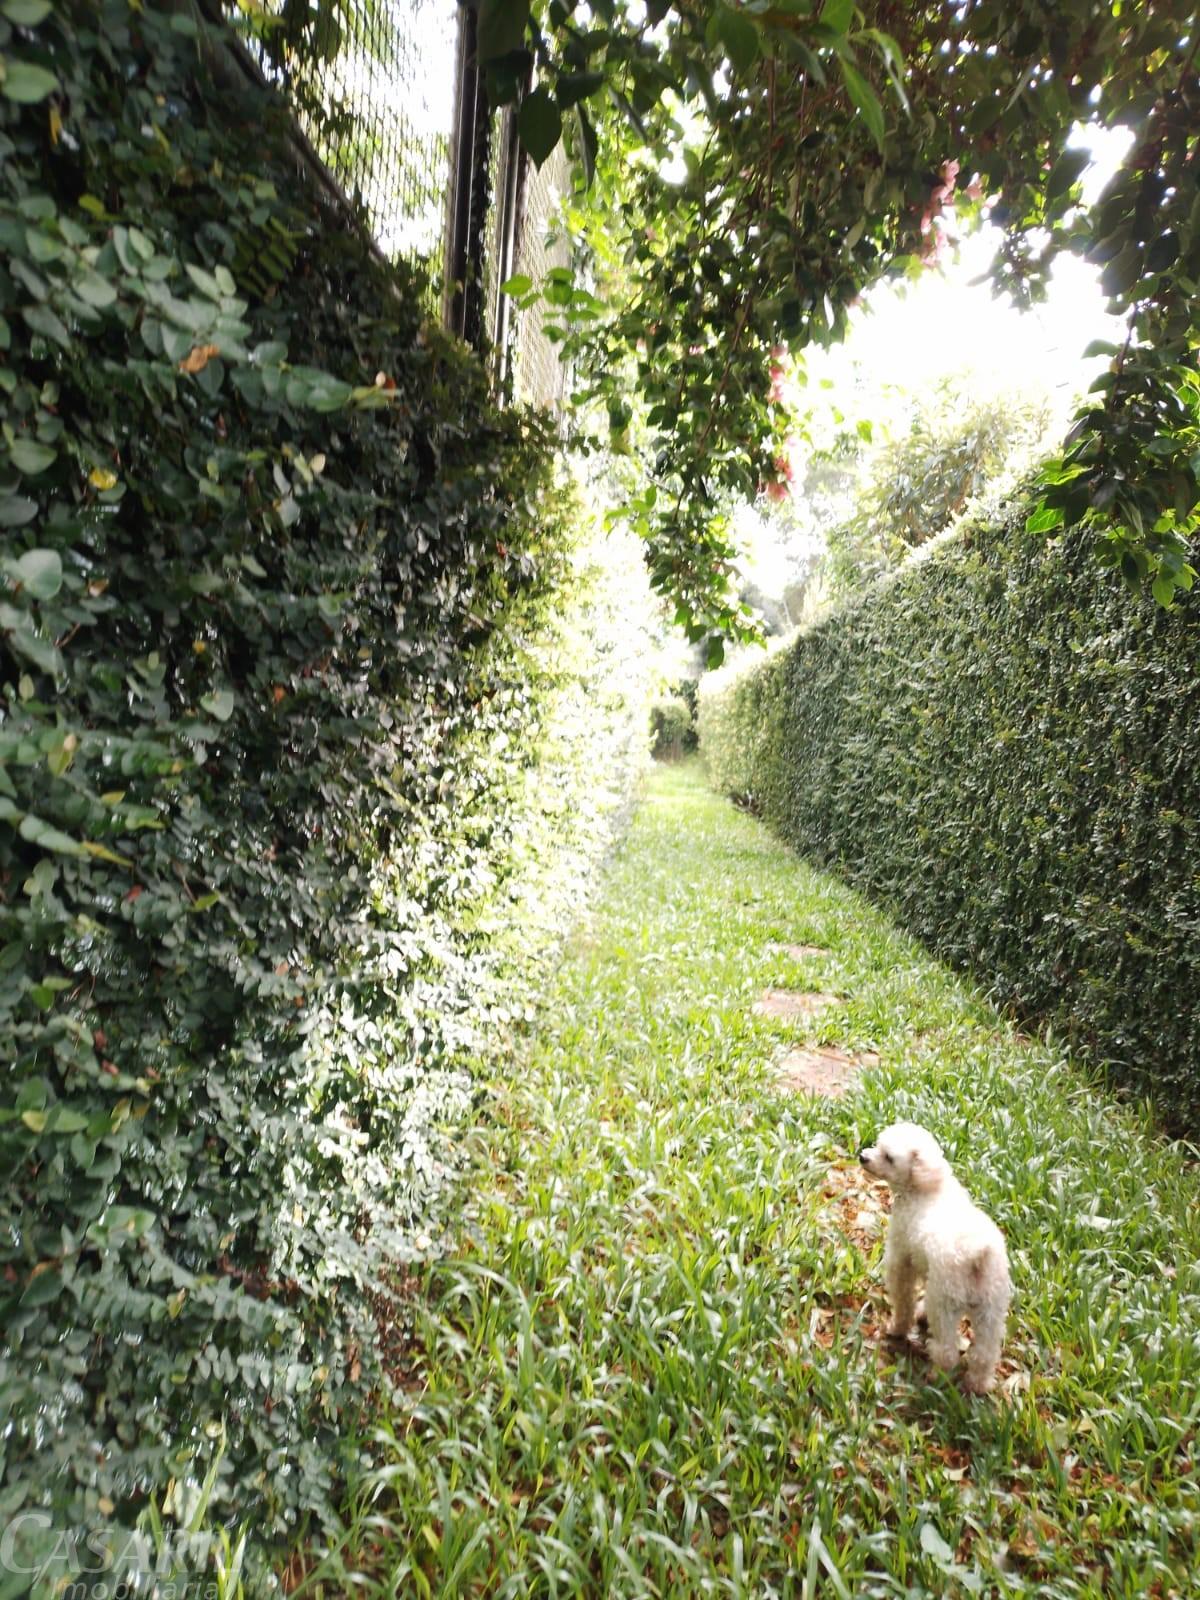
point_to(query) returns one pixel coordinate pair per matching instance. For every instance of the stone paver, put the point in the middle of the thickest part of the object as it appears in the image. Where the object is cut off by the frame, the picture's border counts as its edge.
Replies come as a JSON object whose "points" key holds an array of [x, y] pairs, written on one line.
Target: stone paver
{"points": [[791, 1003], [822, 1069]]}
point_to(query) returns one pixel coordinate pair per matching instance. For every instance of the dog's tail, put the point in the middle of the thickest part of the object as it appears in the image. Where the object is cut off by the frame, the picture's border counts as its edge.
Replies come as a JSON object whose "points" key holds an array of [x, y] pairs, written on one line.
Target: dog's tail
{"points": [[986, 1271], [989, 1265]]}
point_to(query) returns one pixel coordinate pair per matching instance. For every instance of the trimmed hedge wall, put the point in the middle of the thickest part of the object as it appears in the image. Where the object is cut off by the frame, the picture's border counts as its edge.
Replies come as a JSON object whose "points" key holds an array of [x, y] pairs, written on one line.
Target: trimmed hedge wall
{"points": [[999, 743], [314, 711]]}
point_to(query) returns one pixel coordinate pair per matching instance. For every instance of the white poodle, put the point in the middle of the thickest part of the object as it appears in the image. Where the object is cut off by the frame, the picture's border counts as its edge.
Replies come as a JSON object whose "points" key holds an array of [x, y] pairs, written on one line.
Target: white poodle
{"points": [[938, 1236]]}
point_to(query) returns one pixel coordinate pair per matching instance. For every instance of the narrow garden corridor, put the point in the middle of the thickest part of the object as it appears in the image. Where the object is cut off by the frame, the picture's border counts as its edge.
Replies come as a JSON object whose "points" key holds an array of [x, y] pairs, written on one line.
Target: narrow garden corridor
{"points": [[656, 1366]]}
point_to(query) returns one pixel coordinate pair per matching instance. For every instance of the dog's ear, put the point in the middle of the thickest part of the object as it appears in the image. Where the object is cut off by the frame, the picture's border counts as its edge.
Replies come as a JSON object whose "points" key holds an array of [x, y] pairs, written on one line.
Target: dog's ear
{"points": [[924, 1169]]}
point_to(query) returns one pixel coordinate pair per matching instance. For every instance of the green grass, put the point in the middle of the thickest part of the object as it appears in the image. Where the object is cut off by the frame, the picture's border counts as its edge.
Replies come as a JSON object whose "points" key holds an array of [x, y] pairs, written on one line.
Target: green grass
{"points": [[655, 1366]]}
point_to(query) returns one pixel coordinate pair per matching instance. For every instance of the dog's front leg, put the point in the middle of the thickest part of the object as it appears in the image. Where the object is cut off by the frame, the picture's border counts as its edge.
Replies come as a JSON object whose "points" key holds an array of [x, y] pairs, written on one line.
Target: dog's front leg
{"points": [[902, 1292]]}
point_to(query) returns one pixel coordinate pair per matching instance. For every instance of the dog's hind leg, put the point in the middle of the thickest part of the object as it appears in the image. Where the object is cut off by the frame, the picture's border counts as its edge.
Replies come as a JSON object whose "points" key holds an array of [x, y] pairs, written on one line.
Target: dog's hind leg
{"points": [[902, 1292], [987, 1338], [944, 1317], [988, 1319]]}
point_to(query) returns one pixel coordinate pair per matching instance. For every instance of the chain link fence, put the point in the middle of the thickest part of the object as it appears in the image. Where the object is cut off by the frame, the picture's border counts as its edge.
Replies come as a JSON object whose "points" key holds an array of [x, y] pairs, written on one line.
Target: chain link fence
{"points": [[539, 374], [387, 97]]}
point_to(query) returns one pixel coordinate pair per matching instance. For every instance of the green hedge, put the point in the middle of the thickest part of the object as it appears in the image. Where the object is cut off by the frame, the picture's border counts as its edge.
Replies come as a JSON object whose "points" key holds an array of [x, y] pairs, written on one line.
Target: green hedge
{"points": [[1000, 745], [672, 730], [293, 779]]}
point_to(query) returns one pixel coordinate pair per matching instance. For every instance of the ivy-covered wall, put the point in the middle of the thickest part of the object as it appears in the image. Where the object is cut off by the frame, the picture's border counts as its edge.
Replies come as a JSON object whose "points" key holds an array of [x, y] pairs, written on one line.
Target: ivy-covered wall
{"points": [[1000, 744], [315, 708]]}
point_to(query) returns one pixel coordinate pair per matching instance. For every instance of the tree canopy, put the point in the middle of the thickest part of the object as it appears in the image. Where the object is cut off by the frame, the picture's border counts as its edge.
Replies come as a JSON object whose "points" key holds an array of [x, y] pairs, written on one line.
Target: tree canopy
{"points": [[820, 143]]}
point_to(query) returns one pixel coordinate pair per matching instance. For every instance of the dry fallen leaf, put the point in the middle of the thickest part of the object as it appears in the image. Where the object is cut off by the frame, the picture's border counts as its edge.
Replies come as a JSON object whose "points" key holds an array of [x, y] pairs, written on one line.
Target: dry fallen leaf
{"points": [[199, 357]]}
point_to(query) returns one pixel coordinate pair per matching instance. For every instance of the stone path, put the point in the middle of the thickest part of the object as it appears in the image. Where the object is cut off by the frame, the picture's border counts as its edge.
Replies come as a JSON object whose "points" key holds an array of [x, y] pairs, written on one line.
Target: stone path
{"points": [[823, 1069]]}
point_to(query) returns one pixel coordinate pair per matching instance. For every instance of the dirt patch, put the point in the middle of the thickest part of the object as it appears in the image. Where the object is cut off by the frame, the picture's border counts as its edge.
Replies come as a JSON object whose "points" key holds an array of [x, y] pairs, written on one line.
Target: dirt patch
{"points": [[798, 952], [862, 1202], [824, 1070], [791, 1003]]}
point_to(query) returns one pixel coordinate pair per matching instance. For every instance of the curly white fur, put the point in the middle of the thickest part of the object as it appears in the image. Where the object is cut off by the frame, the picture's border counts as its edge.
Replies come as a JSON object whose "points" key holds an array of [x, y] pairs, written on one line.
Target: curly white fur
{"points": [[939, 1237]]}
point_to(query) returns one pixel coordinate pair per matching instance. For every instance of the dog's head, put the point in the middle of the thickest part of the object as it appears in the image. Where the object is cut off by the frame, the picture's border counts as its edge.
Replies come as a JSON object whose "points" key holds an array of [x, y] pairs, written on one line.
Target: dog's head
{"points": [[907, 1157]]}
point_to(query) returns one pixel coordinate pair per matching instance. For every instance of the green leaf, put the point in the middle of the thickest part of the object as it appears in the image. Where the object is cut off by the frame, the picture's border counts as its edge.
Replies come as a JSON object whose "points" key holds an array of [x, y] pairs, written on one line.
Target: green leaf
{"points": [[587, 145], [16, 511], [42, 320], [1123, 271], [219, 704], [1163, 252], [1044, 519], [43, 246], [518, 284], [39, 572], [26, 83], [539, 124], [865, 98], [133, 1221], [94, 290], [103, 853], [838, 15], [1164, 591], [1066, 171], [501, 27], [38, 650], [204, 281], [46, 837], [63, 1120], [572, 87], [30, 457], [740, 37], [44, 1288], [893, 61], [26, 13], [83, 1151]]}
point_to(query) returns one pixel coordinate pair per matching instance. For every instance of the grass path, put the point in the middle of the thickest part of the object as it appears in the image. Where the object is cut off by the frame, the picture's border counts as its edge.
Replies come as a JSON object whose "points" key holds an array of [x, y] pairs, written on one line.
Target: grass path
{"points": [[655, 1367]]}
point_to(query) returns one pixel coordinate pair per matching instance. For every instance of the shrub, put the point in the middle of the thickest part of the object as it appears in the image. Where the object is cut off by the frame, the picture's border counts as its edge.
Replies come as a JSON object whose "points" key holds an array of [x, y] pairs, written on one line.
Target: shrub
{"points": [[998, 743], [672, 732], [917, 480], [288, 743]]}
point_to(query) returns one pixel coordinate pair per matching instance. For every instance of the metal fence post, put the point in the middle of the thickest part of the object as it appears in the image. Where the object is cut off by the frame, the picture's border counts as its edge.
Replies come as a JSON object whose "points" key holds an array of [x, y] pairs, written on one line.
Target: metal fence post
{"points": [[470, 159]]}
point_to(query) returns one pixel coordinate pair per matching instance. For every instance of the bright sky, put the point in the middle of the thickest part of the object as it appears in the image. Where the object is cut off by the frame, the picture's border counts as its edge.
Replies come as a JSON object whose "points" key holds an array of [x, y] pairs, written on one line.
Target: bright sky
{"points": [[907, 336], [947, 322]]}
